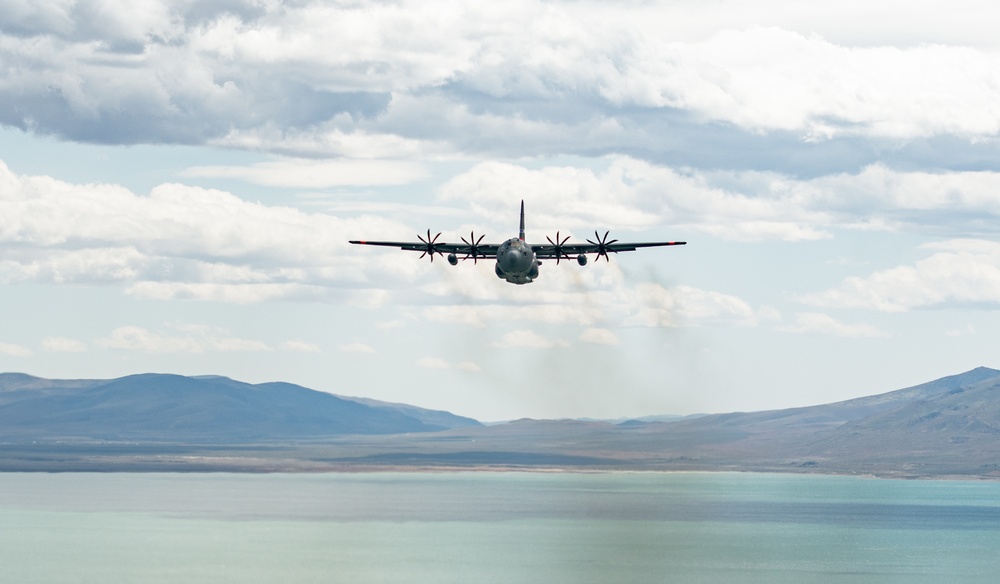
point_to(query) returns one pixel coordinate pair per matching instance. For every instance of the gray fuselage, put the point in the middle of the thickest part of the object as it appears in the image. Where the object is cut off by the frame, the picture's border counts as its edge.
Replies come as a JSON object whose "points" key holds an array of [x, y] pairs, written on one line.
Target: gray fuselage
{"points": [[516, 262]]}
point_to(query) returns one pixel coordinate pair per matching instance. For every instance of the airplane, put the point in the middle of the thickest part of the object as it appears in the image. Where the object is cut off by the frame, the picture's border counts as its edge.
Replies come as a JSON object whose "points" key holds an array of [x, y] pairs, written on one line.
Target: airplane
{"points": [[517, 261]]}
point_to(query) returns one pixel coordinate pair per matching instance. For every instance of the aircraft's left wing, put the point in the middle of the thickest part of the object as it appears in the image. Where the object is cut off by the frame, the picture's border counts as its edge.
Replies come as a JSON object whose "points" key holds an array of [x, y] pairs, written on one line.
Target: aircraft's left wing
{"points": [[602, 247]]}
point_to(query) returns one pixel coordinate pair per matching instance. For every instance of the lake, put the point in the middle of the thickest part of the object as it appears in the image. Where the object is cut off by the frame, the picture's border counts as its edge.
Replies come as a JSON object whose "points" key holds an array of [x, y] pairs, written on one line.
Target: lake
{"points": [[494, 527]]}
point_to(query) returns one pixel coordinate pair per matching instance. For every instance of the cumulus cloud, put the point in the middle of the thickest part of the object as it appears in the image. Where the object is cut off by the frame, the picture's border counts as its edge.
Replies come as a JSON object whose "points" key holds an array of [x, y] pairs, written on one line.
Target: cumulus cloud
{"points": [[178, 242], [14, 350], [317, 174], [882, 198], [185, 339], [442, 364], [599, 336], [968, 330], [528, 339], [356, 348], [630, 194], [824, 324], [480, 316], [63, 345], [960, 272], [472, 76], [433, 363], [772, 79], [300, 347]]}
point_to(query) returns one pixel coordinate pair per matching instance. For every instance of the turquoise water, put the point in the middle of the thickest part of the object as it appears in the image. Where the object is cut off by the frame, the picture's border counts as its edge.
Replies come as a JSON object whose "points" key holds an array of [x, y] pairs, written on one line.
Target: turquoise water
{"points": [[494, 527]]}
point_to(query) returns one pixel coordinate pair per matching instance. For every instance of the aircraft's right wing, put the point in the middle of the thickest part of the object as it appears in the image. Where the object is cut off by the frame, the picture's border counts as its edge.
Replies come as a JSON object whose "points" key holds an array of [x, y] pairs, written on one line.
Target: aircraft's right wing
{"points": [[432, 246]]}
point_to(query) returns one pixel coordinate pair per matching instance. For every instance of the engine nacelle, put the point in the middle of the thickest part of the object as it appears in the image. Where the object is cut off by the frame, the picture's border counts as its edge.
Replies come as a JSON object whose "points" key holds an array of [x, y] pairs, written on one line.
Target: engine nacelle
{"points": [[581, 259], [452, 259]]}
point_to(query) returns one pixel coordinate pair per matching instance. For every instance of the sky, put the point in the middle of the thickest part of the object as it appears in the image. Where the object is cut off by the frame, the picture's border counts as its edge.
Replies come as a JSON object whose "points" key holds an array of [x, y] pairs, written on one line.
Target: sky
{"points": [[179, 181]]}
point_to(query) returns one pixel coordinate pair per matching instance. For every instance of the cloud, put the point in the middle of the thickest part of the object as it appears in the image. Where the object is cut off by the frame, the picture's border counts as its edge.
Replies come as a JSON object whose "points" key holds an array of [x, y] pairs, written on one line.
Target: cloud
{"points": [[767, 79], [195, 339], [356, 348], [355, 144], [599, 336], [968, 330], [442, 364], [314, 77], [823, 324], [178, 242], [527, 339], [300, 347], [235, 293], [962, 273], [13, 350], [63, 345], [316, 174], [480, 316], [433, 363], [182, 242], [629, 194], [886, 199]]}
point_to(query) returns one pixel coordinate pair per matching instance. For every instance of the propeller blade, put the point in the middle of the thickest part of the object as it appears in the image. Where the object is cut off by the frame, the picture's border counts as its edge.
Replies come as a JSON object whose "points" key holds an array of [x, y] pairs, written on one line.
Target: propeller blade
{"points": [[473, 244], [603, 245], [429, 244], [557, 246]]}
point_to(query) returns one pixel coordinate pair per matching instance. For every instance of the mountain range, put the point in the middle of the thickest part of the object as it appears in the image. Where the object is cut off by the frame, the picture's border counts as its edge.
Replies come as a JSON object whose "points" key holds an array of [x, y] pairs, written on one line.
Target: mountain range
{"points": [[207, 409], [949, 427]]}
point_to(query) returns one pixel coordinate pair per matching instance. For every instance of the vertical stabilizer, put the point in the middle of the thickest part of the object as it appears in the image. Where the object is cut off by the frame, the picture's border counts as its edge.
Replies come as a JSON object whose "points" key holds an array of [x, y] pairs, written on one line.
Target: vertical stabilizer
{"points": [[521, 235]]}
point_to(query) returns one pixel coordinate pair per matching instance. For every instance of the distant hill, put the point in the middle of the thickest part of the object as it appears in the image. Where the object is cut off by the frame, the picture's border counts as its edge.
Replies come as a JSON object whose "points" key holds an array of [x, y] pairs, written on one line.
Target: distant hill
{"points": [[812, 419], [946, 428], [173, 408]]}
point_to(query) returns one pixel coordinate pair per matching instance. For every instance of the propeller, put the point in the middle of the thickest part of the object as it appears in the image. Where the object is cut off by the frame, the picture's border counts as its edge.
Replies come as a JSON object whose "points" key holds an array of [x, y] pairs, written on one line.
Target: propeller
{"points": [[429, 245], [557, 247], [602, 244], [473, 244]]}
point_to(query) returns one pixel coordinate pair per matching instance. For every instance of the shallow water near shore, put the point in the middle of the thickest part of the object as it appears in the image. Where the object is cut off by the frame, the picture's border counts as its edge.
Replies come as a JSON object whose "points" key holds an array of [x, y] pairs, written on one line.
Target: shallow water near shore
{"points": [[494, 527]]}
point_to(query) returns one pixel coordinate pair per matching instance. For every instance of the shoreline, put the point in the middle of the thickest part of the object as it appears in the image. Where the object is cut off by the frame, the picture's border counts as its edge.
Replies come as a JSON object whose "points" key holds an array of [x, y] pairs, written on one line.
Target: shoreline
{"points": [[146, 467]]}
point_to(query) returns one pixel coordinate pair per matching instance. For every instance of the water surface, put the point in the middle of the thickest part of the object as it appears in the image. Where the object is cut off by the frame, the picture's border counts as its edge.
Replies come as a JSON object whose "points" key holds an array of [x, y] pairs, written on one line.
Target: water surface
{"points": [[494, 527]]}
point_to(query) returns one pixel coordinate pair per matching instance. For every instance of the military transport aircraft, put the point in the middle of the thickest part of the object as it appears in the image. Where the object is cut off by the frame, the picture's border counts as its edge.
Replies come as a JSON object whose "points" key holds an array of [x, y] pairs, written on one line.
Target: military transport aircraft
{"points": [[517, 261]]}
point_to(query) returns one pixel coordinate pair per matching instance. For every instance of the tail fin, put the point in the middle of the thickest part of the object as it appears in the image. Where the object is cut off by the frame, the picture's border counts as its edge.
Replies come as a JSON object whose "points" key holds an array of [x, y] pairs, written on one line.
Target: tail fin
{"points": [[522, 220]]}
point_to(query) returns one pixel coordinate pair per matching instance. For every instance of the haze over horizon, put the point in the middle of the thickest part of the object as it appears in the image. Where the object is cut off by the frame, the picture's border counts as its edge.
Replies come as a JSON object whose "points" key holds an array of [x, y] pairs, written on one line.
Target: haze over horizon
{"points": [[179, 180]]}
